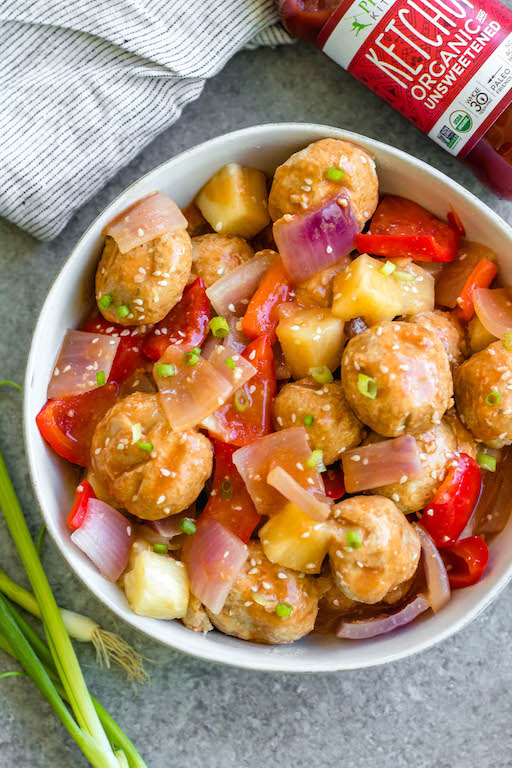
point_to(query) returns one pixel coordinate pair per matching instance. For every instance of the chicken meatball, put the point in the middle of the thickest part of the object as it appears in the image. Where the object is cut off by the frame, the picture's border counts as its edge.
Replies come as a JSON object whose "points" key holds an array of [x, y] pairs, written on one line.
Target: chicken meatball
{"points": [[464, 440], [147, 468], [410, 383], [301, 182], [196, 617], [448, 329], [216, 255], [374, 548], [324, 411], [144, 284], [436, 447], [316, 291], [250, 609], [483, 394]]}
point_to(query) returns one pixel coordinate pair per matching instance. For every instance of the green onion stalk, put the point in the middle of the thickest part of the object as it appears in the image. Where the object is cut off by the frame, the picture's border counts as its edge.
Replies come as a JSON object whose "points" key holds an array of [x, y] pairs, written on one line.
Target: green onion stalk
{"points": [[87, 731]]}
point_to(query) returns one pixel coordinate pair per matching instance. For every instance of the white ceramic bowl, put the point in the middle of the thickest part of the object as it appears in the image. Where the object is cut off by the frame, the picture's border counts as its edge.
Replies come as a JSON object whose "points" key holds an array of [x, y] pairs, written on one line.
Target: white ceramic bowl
{"points": [[67, 305]]}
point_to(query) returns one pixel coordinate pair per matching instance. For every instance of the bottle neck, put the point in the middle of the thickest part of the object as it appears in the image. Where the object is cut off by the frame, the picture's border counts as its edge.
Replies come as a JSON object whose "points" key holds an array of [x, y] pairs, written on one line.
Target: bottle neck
{"points": [[304, 19]]}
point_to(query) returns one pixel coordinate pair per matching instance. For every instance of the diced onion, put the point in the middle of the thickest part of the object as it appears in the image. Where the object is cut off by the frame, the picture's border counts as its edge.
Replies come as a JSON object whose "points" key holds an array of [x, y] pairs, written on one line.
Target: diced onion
{"points": [[105, 537], [150, 217], [231, 294], [317, 506], [169, 527], [195, 392], [83, 358], [363, 630], [382, 463], [235, 368], [493, 308], [288, 449], [435, 571], [314, 240], [214, 557]]}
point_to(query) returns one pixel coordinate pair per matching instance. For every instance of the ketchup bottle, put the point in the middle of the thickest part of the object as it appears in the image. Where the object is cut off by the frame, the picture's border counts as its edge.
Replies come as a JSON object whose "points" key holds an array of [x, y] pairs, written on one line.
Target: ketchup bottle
{"points": [[446, 65]]}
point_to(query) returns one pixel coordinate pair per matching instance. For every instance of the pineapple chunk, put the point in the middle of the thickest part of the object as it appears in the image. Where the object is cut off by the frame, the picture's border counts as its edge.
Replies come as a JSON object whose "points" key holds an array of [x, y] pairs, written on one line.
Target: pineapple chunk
{"points": [[157, 587], [479, 336], [234, 201], [361, 290], [285, 543], [311, 337]]}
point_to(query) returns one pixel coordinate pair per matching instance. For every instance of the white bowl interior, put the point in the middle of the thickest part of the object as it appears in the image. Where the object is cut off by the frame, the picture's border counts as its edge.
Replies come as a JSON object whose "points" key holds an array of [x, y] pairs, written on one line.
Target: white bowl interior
{"points": [[67, 304]]}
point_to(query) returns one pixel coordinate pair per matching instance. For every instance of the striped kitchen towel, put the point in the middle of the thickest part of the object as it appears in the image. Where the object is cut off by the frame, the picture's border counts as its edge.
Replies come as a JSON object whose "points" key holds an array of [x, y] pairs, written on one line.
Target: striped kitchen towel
{"points": [[86, 84]]}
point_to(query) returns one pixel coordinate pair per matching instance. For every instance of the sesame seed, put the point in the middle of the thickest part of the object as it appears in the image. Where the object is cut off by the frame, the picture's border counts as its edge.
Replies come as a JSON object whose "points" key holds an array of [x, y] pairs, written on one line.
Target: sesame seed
{"points": [[329, 249], [140, 232], [282, 575], [160, 499], [395, 497], [231, 307], [356, 457]]}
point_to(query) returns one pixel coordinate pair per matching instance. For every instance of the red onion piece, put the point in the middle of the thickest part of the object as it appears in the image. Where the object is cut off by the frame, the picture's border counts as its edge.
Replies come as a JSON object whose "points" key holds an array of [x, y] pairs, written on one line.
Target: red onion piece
{"points": [[214, 557], [105, 537], [363, 630], [382, 463], [435, 571], [168, 527], [235, 338], [150, 217], [311, 241], [316, 506], [493, 308], [288, 449], [231, 294], [81, 358], [194, 392], [242, 372]]}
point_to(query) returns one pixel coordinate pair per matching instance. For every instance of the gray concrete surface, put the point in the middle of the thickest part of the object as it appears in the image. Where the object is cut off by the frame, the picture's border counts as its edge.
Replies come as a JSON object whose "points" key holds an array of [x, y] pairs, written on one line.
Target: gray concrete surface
{"points": [[449, 707]]}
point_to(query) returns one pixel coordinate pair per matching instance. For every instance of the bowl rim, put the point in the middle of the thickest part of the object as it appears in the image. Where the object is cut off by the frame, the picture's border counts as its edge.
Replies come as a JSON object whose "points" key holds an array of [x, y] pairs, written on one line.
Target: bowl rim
{"points": [[225, 655]]}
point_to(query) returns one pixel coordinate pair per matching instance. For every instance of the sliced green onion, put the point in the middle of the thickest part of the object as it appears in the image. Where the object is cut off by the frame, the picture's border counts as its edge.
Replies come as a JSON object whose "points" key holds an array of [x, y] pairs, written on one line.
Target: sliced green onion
{"points": [[387, 268], [308, 419], [230, 363], [493, 398], [219, 327], [105, 301], [122, 311], [486, 461], [192, 358], [226, 488], [401, 274], [354, 539], [367, 386], [187, 526], [145, 446], [241, 401], [11, 384], [316, 460], [507, 341], [334, 174], [321, 374], [160, 548], [284, 610], [166, 369], [101, 379], [136, 433]]}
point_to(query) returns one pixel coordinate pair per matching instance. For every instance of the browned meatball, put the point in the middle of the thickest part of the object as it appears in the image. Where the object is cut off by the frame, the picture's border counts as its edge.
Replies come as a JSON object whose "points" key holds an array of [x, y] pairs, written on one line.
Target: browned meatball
{"points": [[389, 548], [216, 255], [301, 182], [316, 291], [412, 377], [148, 280], [196, 617], [448, 329], [436, 447], [197, 224], [483, 394], [150, 484], [464, 440], [250, 609], [334, 427]]}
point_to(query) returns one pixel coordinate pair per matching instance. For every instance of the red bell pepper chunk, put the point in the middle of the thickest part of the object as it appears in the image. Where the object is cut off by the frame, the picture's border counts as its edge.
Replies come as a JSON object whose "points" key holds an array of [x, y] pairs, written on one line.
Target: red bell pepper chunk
{"points": [[466, 561], [186, 322], [481, 277], [68, 423], [261, 315], [129, 356], [452, 506], [417, 247], [248, 415], [334, 483], [83, 493], [455, 222], [397, 216], [229, 502]]}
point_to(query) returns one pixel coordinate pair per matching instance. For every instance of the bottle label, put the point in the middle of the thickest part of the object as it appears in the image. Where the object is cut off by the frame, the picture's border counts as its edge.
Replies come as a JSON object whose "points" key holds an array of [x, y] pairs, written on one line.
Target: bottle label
{"points": [[446, 65]]}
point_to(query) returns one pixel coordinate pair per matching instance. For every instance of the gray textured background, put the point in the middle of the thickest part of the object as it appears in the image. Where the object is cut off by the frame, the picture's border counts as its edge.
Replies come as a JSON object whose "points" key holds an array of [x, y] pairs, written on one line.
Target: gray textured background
{"points": [[447, 707]]}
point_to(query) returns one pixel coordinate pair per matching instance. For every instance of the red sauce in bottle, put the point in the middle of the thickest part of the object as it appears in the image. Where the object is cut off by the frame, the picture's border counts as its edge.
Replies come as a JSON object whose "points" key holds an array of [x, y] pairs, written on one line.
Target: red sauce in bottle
{"points": [[488, 91]]}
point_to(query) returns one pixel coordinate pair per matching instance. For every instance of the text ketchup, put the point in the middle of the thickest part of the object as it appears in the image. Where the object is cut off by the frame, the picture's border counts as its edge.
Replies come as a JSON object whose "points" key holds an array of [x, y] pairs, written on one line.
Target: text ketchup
{"points": [[446, 65]]}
